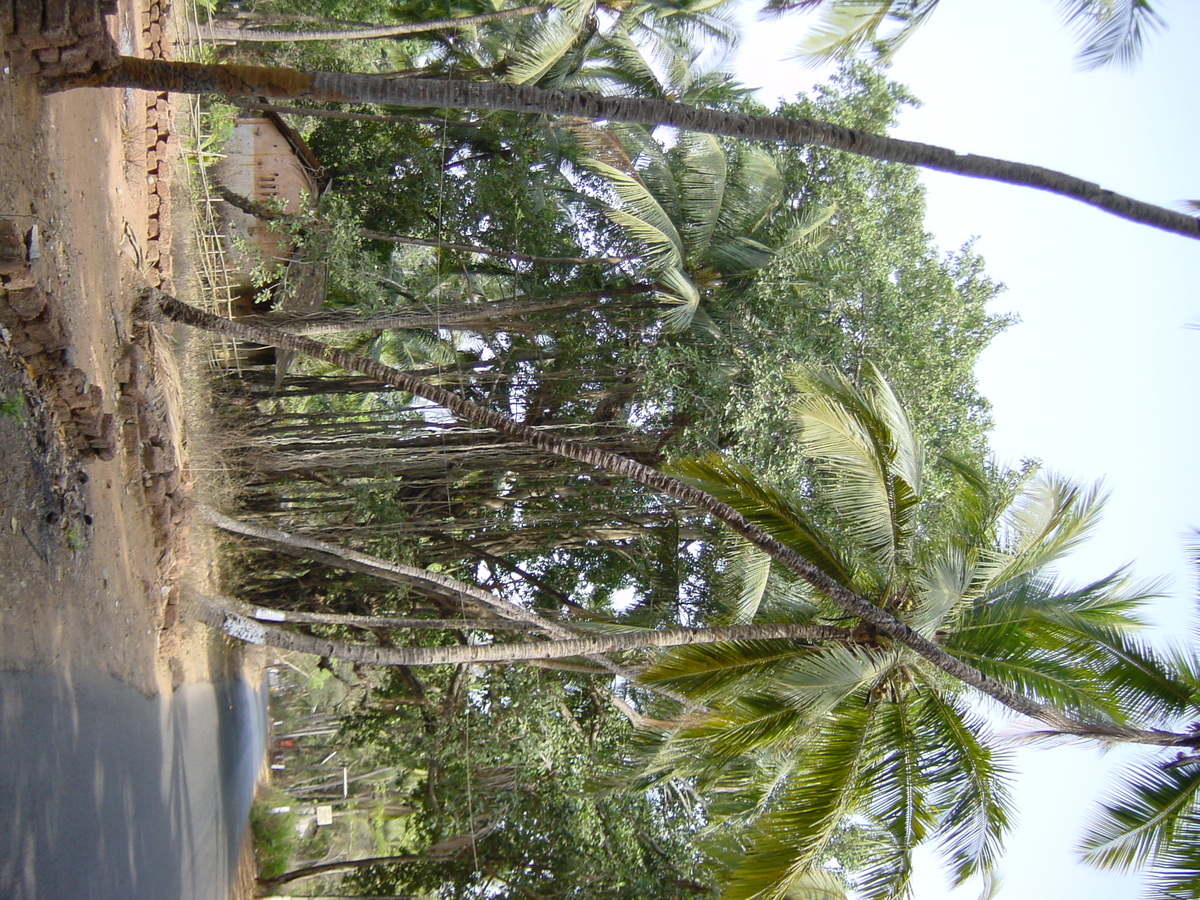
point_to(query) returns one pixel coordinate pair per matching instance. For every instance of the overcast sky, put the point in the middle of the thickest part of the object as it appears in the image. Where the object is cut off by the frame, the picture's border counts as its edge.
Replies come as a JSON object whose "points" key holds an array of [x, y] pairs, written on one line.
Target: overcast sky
{"points": [[1100, 380]]}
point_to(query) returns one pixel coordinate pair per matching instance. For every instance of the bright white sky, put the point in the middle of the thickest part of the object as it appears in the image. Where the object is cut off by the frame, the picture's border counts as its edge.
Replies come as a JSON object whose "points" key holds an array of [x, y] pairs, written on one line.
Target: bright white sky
{"points": [[1101, 378]]}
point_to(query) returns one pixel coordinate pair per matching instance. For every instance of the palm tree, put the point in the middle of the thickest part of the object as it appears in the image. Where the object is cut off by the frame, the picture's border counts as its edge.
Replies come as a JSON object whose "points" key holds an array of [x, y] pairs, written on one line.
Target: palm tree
{"points": [[228, 31], [796, 557], [259, 82], [697, 209], [1112, 31], [814, 738]]}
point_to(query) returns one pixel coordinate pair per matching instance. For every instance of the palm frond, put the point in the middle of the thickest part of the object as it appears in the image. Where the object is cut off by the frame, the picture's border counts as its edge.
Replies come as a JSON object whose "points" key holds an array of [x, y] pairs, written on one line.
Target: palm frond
{"points": [[822, 791], [703, 170], [1049, 519], [708, 671], [973, 780], [860, 436], [1154, 810], [737, 254], [642, 217], [546, 39], [683, 302], [1113, 31], [738, 486], [756, 189], [850, 27], [806, 223], [750, 568], [816, 884]]}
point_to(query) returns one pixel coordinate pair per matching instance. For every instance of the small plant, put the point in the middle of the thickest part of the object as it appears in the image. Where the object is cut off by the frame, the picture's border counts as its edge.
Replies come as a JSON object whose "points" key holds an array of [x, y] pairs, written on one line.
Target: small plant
{"points": [[75, 539], [274, 832], [13, 407]]}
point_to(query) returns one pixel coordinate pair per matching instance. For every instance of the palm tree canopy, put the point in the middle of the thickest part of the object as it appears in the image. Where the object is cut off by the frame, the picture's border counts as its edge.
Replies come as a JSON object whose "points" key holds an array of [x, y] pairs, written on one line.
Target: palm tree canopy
{"points": [[811, 738], [698, 210]]}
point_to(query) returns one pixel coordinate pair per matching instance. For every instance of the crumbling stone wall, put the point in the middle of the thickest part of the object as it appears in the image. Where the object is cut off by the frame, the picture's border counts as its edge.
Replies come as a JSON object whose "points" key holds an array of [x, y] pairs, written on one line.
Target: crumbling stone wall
{"points": [[56, 37]]}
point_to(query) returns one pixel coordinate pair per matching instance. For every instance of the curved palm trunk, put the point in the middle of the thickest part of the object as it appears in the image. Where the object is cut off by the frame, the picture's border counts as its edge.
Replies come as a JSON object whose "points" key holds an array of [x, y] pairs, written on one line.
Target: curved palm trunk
{"points": [[337, 87], [345, 865], [433, 583], [860, 607], [253, 632], [268, 614], [220, 32], [483, 314], [499, 254], [439, 585]]}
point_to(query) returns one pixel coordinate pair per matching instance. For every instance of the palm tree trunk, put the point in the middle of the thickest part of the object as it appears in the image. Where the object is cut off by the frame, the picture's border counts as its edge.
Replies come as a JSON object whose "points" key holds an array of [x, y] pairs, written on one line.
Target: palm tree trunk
{"points": [[442, 585], [345, 865], [226, 32], [483, 314], [267, 614], [338, 87], [159, 304], [500, 254], [270, 214], [439, 585], [253, 632]]}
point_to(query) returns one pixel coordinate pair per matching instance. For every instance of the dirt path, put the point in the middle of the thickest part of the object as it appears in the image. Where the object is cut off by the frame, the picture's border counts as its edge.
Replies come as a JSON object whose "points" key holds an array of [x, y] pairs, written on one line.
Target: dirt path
{"points": [[93, 486], [95, 489]]}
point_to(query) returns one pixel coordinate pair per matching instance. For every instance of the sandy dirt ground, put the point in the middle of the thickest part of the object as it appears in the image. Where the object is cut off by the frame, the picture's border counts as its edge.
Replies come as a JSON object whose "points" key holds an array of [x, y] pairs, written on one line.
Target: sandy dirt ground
{"points": [[94, 481], [95, 487]]}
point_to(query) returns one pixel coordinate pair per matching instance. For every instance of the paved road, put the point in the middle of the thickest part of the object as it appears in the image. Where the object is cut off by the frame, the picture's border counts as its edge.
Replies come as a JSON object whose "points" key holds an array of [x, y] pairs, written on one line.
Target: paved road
{"points": [[106, 794]]}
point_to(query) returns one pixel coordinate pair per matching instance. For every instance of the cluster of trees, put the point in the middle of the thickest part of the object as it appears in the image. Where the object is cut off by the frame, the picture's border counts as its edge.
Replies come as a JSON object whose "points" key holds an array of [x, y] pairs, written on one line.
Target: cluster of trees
{"points": [[592, 385]]}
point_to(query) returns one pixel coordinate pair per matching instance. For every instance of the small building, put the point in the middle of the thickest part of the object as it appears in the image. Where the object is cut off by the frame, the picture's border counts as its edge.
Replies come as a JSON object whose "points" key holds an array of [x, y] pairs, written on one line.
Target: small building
{"points": [[265, 160]]}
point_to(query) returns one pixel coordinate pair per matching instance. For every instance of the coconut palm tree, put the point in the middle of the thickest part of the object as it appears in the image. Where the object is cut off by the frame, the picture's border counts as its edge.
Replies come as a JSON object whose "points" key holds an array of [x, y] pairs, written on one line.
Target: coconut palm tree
{"points": [[275, 83], [243, 31], [697, 210], [1111, 31], [793, 555], [811, 739]]}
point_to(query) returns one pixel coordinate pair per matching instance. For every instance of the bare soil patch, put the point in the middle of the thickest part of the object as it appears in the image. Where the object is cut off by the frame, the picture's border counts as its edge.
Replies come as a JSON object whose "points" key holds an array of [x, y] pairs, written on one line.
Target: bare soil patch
{"points": [[94, 485]]}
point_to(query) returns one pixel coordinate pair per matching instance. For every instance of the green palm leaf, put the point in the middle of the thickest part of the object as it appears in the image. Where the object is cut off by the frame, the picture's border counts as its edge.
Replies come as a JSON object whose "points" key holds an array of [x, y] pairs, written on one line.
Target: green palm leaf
{"points": [[821, 792], [641, 215], [848, 27], [973, 781], [1151, 815], [702, 174], [546, 39], [861, 439], [1049, 519], [738, 486], [708, 671]]}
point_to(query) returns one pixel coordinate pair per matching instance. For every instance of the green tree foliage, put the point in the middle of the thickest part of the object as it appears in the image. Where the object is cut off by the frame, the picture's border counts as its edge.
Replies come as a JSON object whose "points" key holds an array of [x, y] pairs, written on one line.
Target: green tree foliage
{"points": [[514, 771]]}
